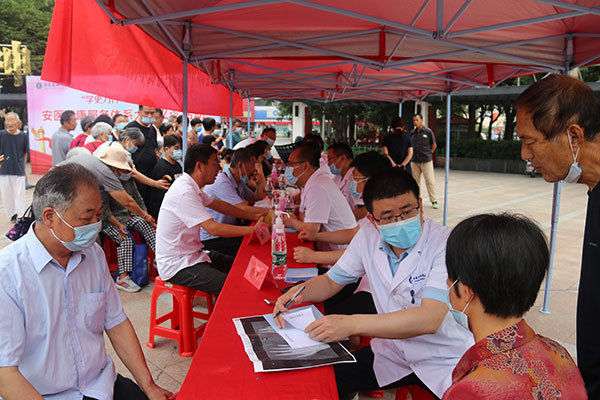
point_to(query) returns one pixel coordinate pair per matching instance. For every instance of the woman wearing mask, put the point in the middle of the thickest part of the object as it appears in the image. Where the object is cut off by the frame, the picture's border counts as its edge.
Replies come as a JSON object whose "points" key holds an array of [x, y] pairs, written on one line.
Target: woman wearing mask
{"points": [[167, 167], [120, 122]]}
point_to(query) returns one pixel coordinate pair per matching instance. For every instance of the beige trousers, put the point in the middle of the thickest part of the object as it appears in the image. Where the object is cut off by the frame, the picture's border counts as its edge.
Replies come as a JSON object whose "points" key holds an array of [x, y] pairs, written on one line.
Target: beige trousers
{"points": [[427, 170]]}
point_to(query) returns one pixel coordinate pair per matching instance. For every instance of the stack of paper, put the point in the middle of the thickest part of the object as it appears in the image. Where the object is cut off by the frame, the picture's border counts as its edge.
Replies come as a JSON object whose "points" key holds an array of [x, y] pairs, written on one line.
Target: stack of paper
{"points": [[294, 275]]}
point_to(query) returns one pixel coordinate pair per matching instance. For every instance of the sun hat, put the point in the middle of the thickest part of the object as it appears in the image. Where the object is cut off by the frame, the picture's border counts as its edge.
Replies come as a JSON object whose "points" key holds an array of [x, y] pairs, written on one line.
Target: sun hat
{"points": [[114, 156]]}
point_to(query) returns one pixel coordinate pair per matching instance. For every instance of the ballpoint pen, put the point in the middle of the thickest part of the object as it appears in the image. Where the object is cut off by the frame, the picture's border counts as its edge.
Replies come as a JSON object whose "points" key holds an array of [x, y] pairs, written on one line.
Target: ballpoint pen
{"points": [[290, 301]]}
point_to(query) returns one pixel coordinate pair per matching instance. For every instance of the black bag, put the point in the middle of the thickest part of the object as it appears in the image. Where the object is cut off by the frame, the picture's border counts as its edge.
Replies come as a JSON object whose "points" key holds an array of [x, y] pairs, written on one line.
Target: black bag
{"points": [[21, 226]]}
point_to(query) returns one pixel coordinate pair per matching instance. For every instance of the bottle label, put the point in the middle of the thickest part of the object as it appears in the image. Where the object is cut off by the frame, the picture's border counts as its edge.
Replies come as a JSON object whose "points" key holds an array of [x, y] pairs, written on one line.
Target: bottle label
{"points": [[279, 258]]}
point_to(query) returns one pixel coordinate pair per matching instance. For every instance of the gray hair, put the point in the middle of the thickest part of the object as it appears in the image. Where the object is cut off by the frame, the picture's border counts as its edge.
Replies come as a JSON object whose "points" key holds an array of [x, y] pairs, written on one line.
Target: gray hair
{"points": [[75, 151], [59, 186], [101, 128], [134, 134], [85, 121], [14, 114]]}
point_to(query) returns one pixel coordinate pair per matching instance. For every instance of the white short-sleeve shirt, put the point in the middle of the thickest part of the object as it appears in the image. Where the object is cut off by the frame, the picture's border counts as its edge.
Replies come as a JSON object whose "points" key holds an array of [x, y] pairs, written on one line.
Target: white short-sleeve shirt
{"points": [[322, 202], [245, 143], [431, 357], [343, 183], [178, 243]]}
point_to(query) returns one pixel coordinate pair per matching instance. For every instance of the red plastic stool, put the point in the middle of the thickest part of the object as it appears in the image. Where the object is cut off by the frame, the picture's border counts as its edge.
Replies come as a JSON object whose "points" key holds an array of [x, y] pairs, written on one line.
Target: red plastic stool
{"points": [[182, 316], [110, 251], [416, 393]]}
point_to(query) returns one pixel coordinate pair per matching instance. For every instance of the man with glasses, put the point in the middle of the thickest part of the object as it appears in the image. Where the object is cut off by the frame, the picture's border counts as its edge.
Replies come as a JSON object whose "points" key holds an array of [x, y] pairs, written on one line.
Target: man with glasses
{"points": [[231, 186], [323, 207], [416, 341]]}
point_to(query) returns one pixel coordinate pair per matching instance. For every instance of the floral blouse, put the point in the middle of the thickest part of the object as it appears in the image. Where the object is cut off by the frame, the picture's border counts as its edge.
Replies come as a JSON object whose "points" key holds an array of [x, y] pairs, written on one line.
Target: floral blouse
{"points": [[515, 363]]}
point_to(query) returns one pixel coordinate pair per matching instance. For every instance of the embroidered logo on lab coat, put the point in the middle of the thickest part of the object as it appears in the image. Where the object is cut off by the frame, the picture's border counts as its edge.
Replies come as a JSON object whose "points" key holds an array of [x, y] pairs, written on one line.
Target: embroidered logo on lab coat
{"points": [[414, 279]]}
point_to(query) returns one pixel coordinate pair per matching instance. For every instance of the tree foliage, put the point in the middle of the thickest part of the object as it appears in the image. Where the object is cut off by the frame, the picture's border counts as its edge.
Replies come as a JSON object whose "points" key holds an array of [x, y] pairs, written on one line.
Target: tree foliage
{"points": [[27, 21]]}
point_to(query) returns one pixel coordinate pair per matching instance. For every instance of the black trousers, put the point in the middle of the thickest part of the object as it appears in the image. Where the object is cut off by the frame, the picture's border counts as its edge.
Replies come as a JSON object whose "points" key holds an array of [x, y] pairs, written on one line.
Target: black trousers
{"points": [[125, 389], [359, 376], [206, 277], [229, 246]]}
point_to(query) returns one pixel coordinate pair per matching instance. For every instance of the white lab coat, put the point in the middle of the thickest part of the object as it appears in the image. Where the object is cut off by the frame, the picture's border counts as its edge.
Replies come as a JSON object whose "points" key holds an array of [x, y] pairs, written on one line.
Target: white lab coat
{"points": [[431, 357]]}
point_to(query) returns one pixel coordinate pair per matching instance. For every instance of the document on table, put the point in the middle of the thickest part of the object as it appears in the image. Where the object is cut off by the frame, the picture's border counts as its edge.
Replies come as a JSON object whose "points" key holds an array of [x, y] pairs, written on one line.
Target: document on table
{"points": [[273, 349]]}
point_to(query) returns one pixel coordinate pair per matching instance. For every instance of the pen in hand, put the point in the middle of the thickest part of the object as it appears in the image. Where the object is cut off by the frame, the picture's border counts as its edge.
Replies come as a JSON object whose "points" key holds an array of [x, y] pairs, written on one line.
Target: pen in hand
{"points": [[290, 301]]}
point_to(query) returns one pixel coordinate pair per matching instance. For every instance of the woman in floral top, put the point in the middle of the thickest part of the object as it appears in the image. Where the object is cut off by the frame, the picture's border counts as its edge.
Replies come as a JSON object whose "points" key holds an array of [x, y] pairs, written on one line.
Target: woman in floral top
{"points": [[496, 264]]}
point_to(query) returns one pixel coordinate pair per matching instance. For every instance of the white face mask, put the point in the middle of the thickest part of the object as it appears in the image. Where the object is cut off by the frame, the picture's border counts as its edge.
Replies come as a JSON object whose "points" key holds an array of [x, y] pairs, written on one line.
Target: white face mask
{"points": [[574, 171]]}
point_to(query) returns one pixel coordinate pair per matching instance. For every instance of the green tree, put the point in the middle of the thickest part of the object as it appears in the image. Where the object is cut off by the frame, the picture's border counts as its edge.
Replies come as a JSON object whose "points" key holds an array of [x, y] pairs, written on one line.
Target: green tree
{"points": [[27, 21]]}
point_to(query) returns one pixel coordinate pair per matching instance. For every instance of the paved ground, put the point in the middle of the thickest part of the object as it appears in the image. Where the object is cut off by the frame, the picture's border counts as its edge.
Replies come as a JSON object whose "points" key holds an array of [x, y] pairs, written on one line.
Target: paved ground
{"points": [[469, 193]]}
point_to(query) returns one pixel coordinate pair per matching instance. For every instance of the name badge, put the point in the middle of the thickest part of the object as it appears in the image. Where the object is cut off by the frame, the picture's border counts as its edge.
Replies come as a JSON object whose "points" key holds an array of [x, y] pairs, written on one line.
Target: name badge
{"points": [[257, 272], [425, 136]]}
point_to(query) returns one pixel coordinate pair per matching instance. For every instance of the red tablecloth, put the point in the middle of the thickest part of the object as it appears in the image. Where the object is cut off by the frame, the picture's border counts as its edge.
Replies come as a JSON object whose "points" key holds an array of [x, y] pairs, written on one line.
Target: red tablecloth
{"points": [[221, 369]]}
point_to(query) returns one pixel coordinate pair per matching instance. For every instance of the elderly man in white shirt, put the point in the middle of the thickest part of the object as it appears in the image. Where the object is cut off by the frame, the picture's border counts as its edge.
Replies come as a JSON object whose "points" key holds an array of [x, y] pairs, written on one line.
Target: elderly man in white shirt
{"points": [[179, 250], [323, 207], [268, 135], [416, 341], [58, 299]]}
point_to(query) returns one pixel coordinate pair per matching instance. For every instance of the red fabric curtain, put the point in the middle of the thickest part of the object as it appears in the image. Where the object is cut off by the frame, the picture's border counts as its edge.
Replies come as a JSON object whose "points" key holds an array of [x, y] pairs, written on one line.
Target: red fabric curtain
{"points": [[86, 52]]}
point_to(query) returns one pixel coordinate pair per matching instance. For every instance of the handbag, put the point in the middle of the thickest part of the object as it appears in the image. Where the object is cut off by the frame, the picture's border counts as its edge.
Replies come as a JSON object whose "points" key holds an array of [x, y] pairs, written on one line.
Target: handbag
{"points": [[139, 274], [21, 226]]}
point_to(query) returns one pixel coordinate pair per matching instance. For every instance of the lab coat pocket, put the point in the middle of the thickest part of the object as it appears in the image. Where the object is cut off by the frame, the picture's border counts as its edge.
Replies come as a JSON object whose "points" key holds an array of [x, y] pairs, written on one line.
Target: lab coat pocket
{"points": [[95, 311]]}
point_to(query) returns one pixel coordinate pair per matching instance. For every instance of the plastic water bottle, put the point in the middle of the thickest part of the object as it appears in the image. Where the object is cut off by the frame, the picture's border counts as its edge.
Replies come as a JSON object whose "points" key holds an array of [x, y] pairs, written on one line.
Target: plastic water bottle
{"points": [[282, 182], [269, 189], [279, 249]]}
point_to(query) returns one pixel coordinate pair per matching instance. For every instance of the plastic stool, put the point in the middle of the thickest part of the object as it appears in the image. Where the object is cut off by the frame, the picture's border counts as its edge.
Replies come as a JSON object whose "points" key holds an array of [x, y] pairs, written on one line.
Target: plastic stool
{"points": [[416, 393], [182, 316], [110, 252]]}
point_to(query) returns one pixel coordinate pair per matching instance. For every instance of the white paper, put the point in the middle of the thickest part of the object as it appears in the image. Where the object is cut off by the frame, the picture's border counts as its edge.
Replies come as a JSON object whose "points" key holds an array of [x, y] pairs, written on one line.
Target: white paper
{"points": [[293, 333], [300, 318]]}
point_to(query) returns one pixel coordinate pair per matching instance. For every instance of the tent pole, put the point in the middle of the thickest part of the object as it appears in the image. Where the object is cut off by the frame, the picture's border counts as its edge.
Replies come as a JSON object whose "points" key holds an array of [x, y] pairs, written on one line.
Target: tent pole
{"points": [[400, 108], [184, 117], [248, 116], [230, 134], [448, 102], [555, 202]]}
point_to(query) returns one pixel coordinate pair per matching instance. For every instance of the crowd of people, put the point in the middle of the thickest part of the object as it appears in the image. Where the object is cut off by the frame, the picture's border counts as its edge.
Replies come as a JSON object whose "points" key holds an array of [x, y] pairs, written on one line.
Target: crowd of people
{"points": [[444, 306]]}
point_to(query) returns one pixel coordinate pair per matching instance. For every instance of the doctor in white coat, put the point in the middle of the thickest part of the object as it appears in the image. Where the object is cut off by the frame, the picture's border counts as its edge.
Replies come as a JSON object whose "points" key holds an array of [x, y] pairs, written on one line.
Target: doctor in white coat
{"points": [[415, 340]]}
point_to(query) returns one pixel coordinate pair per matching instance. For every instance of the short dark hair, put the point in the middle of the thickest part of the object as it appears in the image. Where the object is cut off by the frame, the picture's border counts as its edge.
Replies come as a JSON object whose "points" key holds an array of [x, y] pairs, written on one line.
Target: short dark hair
{"points": [[312, 138], [104, 118], [369, 163], [235, 121], [180, 119], [258, 147], [197, 153], [340, 149], [269, 129], [418, 115], [559, 101], [227, 154], [58, 187], [309, 151], [503, 258], [164, 128], [66, 116], [114, 117], [195, 121], [171, 140], [158, 111], [208, 123], [396, 123], [387, 184], [242, 155]]}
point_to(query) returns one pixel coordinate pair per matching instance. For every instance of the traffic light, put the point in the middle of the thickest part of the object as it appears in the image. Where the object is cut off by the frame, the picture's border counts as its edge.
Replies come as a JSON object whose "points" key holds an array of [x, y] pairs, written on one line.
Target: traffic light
{"points": [[16, 59]]}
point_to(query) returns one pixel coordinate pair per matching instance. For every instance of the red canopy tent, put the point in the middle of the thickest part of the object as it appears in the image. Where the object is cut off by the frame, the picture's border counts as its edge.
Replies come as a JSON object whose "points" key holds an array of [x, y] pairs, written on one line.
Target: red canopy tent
{"points": [[321, 50]]}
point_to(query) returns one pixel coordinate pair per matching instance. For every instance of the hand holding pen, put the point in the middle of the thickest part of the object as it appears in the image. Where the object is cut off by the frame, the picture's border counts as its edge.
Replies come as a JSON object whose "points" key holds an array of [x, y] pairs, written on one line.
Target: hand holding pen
{"points": [[279, 321]]}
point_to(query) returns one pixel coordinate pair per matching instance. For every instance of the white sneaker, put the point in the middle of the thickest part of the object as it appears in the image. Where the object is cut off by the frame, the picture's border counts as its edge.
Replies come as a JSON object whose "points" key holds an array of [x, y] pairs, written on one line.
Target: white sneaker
{"points": [[127, 284]]}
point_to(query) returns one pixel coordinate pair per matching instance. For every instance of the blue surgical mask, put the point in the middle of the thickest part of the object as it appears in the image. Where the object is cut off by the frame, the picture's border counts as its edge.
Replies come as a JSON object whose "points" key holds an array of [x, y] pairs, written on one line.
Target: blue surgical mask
{"points": [[238, 131], [177, 154], [354, 189], [289, 175], [335, 170], [575, 170], [147, 120], [226, 167], [401, 234], [121, 125], [244, 179], [85, 235], [198, 129], [270, 141], [132, 149], [269, 156], [125, 177], [459, 316], [218, 132]]}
